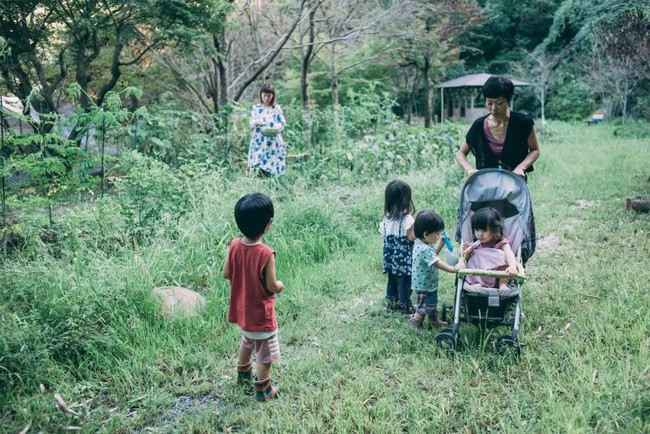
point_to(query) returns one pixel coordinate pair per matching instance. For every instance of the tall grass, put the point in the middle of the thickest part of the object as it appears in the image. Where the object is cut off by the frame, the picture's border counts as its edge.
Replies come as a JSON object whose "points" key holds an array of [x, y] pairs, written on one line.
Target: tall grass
{"points": [[79, 320]]}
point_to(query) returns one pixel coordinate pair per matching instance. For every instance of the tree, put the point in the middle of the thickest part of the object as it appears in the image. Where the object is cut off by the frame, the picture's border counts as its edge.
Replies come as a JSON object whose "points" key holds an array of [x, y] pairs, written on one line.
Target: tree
{"points": [[614, 41], [55, 41], [239, 45], [622, 52], [429, 39], [543, 69], [510, 29]]}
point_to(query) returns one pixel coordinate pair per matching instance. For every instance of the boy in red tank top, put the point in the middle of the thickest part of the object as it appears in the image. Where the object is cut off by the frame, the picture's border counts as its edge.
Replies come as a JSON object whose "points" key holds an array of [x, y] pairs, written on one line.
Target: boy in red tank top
{"points": [[250, 267]]}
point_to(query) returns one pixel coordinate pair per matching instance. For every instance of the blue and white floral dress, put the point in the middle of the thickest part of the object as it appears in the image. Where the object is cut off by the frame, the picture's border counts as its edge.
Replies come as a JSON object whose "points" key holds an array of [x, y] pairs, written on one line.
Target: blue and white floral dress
{"points": [[397, 247], [267, 153]]}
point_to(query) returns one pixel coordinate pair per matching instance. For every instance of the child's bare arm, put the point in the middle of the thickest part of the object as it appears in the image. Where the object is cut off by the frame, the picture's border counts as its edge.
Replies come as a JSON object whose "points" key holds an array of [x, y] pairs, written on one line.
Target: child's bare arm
{"points": [[226, 266], [410, 233], [448, 268], [510, 258], [272, 283], [439, 245]]}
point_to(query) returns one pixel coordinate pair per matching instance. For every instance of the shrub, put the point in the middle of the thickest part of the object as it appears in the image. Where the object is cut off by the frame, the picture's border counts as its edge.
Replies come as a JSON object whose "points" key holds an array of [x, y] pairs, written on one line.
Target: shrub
{"points": [[632, 128], [151, 197]]}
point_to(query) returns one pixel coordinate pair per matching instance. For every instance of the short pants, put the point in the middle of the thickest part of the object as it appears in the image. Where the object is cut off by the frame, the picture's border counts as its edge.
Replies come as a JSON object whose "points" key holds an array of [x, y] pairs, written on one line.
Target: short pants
{"points": [[266, 350]]}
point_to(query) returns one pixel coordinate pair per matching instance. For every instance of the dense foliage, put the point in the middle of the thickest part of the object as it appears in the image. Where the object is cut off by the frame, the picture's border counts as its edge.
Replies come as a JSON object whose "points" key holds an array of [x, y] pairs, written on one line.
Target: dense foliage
{"points": [[119, 170], [203, 55], [77, 319]]}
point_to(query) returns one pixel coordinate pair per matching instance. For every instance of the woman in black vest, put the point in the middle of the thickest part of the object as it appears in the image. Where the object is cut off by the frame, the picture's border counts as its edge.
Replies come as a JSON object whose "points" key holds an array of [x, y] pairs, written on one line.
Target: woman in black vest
{"points": [[505, 139], [502, 138]]}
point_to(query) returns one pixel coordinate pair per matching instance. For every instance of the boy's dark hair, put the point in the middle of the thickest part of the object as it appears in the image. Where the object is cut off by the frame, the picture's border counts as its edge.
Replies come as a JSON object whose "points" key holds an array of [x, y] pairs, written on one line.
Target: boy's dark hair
{"points": [[268, 88], [499, 86], [252, 213], [488, 219], [427, 221], [397, 200]]}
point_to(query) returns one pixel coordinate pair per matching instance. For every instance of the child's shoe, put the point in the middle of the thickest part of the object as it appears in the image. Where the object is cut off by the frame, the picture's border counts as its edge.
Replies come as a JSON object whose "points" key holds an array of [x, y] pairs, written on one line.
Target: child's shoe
{"points": [[264, 390], [391, 306], [434, 321], [245, 372], [407, 309], [416, 324]]}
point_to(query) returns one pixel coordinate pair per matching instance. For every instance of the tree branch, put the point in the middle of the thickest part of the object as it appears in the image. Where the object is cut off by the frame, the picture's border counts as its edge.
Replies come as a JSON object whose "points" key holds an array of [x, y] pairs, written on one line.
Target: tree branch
{"points": [[266, 61]]}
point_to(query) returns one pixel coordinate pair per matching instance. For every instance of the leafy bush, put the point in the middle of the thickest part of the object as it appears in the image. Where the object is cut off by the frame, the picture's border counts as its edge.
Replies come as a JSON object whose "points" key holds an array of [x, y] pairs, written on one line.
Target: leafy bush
{"points": [[632, 128], [573, 99], [55, 166], [399, 149], [173, 136], [152, 197]]}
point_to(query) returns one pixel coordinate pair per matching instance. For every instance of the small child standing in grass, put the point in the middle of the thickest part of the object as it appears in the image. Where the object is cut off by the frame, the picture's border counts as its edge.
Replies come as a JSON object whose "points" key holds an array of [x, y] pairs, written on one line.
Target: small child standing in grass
{"points": [[427, 227], [250, 267], [397, 228]]}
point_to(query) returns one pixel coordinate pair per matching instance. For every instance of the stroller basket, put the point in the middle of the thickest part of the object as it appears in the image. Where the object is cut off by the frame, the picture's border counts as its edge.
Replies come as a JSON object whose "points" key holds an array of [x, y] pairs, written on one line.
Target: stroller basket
{"points": [[480, 309]]}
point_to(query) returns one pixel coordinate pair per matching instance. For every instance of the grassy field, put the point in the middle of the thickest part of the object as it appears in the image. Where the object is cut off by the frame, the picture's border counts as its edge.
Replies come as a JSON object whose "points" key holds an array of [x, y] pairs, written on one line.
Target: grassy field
{"points": [[80, 322]]}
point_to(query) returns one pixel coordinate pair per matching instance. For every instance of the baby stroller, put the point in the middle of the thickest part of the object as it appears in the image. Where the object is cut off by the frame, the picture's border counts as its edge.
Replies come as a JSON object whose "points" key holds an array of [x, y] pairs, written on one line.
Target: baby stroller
{"points": [[484, 307]]}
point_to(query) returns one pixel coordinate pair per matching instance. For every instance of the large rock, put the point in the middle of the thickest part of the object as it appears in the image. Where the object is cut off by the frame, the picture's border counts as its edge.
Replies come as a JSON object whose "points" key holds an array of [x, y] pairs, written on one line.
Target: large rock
{"points": [[178, 300]]}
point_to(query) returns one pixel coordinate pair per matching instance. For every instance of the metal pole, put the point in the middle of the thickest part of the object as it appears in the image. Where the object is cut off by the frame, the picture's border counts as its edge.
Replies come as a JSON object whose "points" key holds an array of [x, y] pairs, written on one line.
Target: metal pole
{"points": [[103, 167], [2, 162], [442, 104]]}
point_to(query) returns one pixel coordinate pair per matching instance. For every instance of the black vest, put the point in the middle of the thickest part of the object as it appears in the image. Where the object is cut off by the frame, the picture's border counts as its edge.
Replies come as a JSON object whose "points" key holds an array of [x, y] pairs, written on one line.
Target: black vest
{"points": [[515, 147]]}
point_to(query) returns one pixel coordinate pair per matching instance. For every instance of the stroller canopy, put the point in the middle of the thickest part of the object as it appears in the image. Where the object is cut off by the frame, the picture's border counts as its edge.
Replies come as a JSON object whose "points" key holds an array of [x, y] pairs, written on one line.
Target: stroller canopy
{"points": [[508, 194]]}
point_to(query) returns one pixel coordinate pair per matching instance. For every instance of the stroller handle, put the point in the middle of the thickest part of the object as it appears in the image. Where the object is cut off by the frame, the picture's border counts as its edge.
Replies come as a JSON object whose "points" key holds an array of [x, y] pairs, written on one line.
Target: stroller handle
{"points": [[493, 273]]}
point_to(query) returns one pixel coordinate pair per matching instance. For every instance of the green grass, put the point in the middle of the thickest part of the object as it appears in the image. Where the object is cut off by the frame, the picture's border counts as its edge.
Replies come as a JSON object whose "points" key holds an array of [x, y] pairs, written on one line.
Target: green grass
{"points": [[80, 322]]}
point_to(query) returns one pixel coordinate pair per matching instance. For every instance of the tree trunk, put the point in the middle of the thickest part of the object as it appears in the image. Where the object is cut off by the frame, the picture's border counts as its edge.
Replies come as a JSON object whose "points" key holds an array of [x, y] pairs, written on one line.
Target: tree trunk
{"points": [[268, 59], [116, 72], [306, 60], [428, 86], [335, 80], [214, 88], [542, 100], [409, 108], [82, 78], [222, 65]]}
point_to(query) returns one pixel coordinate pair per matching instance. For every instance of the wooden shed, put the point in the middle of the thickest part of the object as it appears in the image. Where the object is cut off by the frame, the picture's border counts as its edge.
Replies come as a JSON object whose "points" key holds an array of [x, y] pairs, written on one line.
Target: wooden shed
{"points": [[463, 100]]}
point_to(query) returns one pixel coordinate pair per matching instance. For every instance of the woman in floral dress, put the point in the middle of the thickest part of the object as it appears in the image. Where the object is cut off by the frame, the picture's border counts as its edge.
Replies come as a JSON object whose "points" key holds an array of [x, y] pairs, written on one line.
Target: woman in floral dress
{"points": [[266, 153]]}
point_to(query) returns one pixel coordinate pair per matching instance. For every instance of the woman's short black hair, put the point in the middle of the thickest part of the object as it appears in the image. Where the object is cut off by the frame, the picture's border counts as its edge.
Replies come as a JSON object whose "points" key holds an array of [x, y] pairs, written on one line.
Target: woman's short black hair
{"points": [[252, 213], [427, 221], [499, 86], [267, 88]]}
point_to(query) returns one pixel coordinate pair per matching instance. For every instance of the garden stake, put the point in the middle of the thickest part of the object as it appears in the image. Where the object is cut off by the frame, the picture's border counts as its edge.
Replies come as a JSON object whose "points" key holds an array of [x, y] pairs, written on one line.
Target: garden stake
{"points": [[102, 153], [2, 163]]}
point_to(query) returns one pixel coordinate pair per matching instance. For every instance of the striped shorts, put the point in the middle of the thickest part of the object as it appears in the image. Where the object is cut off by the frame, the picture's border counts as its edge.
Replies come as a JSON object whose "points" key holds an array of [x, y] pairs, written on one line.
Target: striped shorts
{"points": [[266, 350]]}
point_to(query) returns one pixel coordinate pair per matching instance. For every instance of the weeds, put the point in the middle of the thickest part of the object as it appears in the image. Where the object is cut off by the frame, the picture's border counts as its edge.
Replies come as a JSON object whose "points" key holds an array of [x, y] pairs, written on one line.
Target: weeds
{"points": [[82, 324]]}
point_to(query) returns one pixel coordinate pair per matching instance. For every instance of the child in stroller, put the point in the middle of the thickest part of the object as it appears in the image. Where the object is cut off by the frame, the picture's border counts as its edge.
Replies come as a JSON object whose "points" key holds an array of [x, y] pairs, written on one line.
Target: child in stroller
{"points": [[489, 295], [490, 250]]}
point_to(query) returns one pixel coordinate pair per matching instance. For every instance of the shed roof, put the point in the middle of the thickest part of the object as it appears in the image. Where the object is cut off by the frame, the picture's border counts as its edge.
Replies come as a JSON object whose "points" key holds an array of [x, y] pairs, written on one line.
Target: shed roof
{"points": [[474, 80]]}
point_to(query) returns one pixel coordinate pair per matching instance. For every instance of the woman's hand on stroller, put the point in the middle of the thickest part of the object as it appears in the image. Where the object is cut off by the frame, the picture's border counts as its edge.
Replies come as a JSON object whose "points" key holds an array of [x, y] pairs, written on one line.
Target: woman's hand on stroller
{"points": [[459, 266], [512, 271]]}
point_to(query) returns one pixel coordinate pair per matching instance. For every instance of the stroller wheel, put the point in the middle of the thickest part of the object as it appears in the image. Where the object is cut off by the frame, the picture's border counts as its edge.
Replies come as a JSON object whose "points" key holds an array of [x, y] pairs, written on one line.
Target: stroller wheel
{"points": [[506, 343], [446, 341]]}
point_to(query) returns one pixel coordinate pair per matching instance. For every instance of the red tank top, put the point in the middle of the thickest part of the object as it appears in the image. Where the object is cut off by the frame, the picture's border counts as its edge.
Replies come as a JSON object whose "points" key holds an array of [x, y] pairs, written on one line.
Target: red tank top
{"points": [[252, 306]]}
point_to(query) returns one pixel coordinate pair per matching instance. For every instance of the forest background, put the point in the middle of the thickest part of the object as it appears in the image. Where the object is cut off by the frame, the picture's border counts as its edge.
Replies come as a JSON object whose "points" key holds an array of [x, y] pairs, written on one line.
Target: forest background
{"points": [[129, 131], [87, 80]]}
